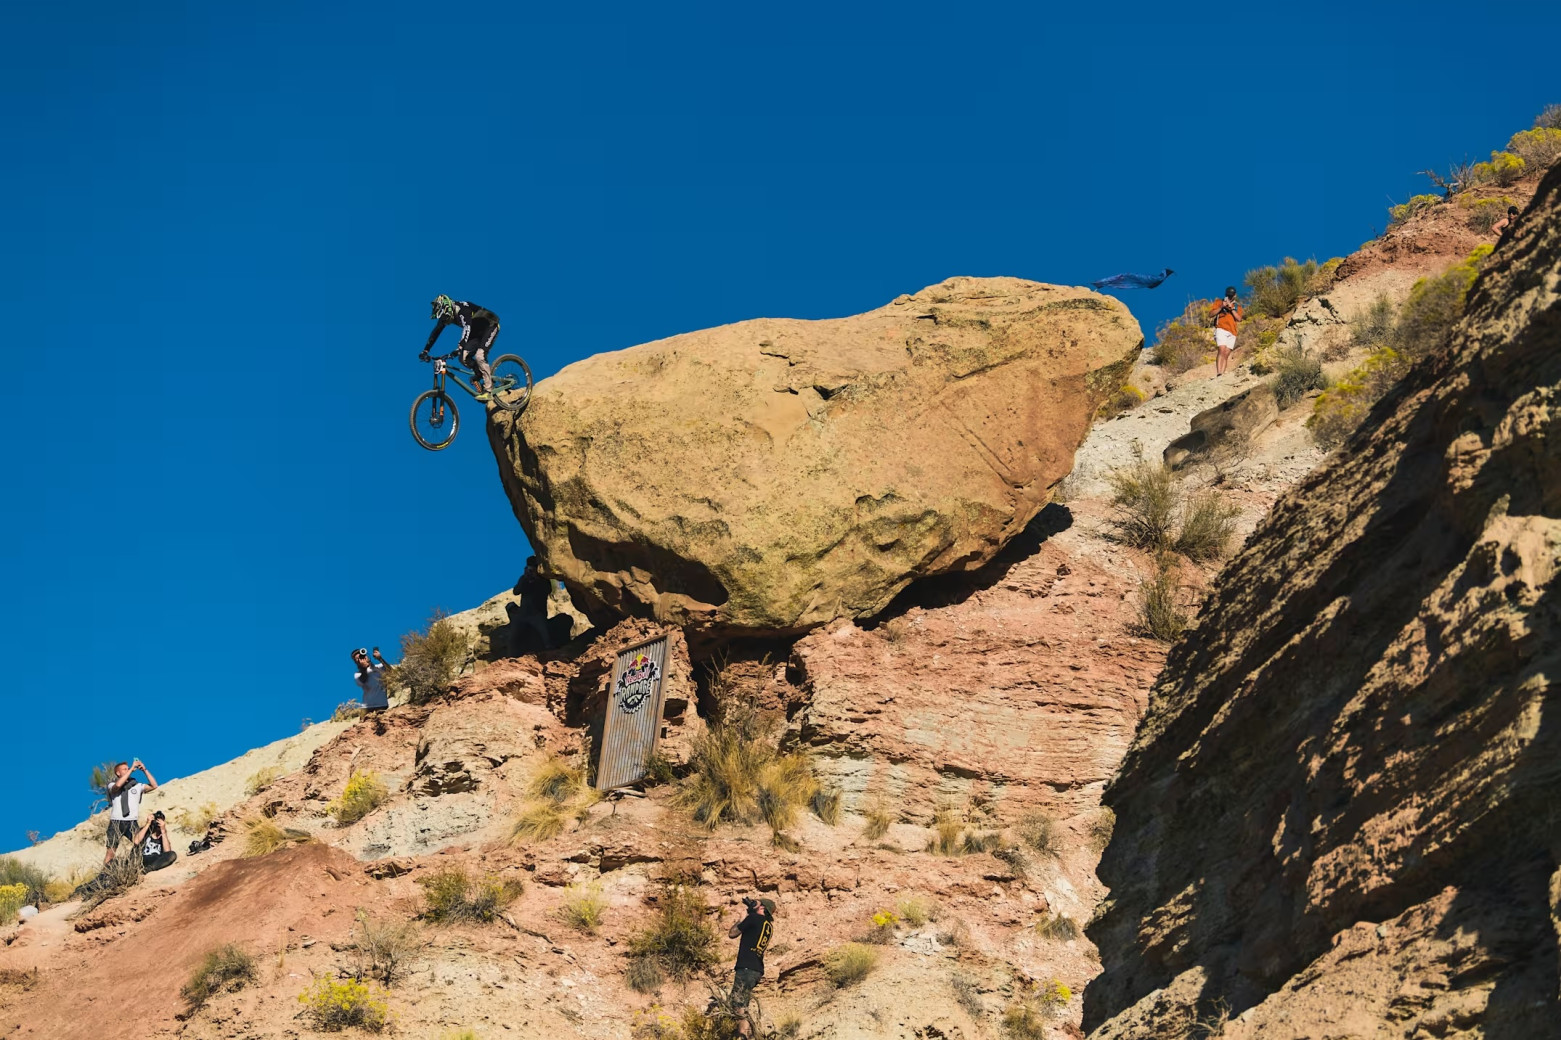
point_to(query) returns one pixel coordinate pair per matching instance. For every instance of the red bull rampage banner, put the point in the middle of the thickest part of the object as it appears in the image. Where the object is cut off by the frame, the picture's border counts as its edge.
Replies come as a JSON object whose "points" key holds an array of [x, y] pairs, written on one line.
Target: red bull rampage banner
{"points": [[633, 723]]}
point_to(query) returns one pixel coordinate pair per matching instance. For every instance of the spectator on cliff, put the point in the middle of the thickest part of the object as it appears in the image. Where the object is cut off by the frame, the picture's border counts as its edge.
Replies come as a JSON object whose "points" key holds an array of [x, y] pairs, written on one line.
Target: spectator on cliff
{"points": [[370, 677], [124, 803], [753, 933], [1509, 221], [534, 590], [1227, 316], [154, 843]]}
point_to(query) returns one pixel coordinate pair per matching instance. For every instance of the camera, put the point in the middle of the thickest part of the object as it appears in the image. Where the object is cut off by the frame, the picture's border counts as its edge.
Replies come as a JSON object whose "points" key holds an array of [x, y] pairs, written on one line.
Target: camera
{"points": [[751, 903], [158, 815]]}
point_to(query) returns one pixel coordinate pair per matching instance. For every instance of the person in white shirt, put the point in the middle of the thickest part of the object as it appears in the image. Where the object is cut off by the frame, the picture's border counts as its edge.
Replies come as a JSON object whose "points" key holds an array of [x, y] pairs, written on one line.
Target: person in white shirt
{"points": [[124, 803]]}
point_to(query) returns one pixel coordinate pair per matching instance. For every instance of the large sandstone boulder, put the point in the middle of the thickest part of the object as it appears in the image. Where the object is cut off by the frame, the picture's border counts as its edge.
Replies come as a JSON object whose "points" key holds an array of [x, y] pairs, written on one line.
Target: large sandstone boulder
{"points": [[1339, 817], [772, 475]]}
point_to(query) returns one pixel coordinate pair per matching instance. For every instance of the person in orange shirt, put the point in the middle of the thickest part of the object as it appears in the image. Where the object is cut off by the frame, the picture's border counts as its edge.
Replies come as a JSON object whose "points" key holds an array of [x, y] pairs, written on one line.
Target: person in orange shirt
{"points": [[1227, 313]]}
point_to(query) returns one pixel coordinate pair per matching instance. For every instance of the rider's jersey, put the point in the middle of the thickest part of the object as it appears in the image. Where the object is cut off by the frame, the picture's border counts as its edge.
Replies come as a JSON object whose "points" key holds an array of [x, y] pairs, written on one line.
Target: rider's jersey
{"points": [[469, 317]]}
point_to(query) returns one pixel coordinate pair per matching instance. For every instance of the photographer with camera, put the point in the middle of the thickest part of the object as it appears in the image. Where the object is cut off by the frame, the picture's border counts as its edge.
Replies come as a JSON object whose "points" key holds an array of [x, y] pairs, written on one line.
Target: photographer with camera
{"points": [[124, 803], [153, 840], [754, 931], [370, 677], [1227, 322]]}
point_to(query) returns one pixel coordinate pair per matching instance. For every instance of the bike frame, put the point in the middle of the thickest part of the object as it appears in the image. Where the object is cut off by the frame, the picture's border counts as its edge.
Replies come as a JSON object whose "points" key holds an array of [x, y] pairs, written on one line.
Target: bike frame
{"points": [[444, 367]]}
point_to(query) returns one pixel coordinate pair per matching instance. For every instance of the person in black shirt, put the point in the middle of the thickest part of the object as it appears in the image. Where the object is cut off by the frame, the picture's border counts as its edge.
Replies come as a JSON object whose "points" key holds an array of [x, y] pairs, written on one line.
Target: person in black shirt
{"points": [[754, 932], [153, 840], [479, 328]]}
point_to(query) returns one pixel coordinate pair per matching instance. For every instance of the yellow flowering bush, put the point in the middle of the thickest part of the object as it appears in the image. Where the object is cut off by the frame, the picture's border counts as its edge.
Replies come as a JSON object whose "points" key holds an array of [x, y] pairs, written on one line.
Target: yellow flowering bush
{"points": [[333, 1006], [364, 793]]}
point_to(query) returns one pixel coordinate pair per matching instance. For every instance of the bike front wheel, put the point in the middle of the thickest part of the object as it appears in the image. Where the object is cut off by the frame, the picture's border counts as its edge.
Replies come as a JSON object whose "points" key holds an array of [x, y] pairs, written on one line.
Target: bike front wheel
{"points": [[434, 419], [511, 382]]}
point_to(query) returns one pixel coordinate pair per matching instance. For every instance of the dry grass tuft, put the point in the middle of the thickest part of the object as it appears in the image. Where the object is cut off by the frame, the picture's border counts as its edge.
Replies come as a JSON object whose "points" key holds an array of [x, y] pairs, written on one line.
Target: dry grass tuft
{"points": [[966, 995], [364, 793], [263, 837], [583, 908], [916, 910], [560, 791], [1159, 602], [223, 970], [1058, 927], [739, 775], [1208, 525], [1101, 828], [679, 941], [1038, 830], [849, 963], [879, 820]]}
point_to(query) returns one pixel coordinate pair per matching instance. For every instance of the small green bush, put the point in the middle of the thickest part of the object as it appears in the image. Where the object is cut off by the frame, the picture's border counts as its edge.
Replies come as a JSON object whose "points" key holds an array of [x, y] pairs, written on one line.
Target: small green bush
{"points": [[1404, 210], [644, 975], [583, 908], [33, 880], [1027, 1019], [1255, 339], [1159, 602], [430, 659], [1179, 347], [849, 963], [915, 910], [223, 970], [1145, 498], [261, 779], [451, 895], [1373, 327], [1274, 291], [1126, 398], [1484, 213], [332, 1006], [679, 941], [1208, 523], [364, 793], [1296, 373], [1504, 169], [1538, 147]]}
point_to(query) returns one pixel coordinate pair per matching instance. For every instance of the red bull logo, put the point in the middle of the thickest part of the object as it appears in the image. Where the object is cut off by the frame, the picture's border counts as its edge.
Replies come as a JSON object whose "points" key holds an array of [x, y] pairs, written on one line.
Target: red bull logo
{"points": [[636, 684]]}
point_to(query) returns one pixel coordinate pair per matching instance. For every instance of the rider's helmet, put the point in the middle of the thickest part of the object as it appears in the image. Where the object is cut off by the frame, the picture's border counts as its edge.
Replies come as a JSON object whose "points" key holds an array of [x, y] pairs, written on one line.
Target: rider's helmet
{"points": [[444, 307]]}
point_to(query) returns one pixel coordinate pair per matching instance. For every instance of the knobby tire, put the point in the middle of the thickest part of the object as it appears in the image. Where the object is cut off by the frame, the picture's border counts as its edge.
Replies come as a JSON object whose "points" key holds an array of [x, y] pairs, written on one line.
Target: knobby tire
{"points": [[516, 399], [452, 418]]}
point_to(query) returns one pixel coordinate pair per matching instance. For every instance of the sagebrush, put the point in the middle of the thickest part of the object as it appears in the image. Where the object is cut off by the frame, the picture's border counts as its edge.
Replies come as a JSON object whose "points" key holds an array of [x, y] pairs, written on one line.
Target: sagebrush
{"points": [[451, 895], [679, 941], [430, 659], [385, 947], [1160, 614], [223, 970]]}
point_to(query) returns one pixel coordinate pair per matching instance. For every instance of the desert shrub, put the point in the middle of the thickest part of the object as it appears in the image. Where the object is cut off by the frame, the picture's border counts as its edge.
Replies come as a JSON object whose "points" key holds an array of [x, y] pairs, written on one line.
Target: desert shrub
{"points": [[196, 820], [119, 875], [1208, 523], [332, 1006], [1256, 337], [915, 910], [644, 975], [882, 931], [1145, 498], [659, 769], [1038, 830], [1126, 398], [967, 995], [1273, 291], [347, 711], [1549, 118], [1340, 408], [261, 779], [34, 881], [849, 963], [1179, 347], [559, 791], [1404, 210], [1159, 602], [977, 841], [12, 899], [1373, 327], [583, 907], [98, 780], [223, 970], [452, 895], [1426, 320], [739, 775], [1538, 147], [1101, 828], [1484, 213], [385, 948], [1504, 169], [879, 820], [679, 940], [1028, 1019], [430, 659], [1059, 927], [364, 793], [1296, 373]]}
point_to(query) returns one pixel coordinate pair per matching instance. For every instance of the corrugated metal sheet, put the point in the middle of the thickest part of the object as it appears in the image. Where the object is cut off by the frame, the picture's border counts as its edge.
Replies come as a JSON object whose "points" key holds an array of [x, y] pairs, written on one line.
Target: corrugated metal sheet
{"points": [[633, 722]]}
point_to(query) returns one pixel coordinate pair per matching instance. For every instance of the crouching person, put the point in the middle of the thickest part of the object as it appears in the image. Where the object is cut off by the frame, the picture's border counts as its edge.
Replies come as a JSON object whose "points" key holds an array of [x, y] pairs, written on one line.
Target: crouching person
{"points": [[156, 849]]}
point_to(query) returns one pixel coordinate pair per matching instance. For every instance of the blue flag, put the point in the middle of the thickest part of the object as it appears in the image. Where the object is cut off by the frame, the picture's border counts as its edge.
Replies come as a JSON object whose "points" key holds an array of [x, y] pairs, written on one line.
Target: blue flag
{"points": [[1133, 281]]}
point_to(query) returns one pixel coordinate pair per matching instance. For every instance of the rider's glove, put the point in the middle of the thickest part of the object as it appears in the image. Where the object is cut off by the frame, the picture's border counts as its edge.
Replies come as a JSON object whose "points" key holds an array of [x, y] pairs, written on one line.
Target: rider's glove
{"points": [[423, 356]]}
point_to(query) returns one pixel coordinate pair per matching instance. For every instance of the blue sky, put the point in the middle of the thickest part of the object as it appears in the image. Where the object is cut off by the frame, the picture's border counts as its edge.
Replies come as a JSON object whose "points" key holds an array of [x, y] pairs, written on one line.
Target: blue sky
{"points": [[222, 224]]}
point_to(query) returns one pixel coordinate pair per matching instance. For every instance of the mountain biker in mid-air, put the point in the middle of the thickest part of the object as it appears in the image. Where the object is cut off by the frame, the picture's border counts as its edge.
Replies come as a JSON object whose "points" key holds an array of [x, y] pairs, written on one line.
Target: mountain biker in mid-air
{"points": [[479, 328]]}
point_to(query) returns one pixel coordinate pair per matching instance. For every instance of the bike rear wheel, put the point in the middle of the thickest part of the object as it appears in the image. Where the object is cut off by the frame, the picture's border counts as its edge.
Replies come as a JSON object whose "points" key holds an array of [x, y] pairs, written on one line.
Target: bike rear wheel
{"points": [[434, 419], [511, 382]]}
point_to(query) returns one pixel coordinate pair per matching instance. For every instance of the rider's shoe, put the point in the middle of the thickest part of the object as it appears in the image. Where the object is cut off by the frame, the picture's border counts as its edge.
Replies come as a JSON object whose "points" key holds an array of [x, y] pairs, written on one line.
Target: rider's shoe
{"points": [[486, 395]]}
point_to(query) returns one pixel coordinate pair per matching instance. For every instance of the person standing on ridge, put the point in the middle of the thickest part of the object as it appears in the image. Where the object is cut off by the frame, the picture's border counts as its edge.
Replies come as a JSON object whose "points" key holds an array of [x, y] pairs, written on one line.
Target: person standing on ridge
{"points": [[755, 931], [370, 676], [479, 328], [124, 803], [1227, 313]]}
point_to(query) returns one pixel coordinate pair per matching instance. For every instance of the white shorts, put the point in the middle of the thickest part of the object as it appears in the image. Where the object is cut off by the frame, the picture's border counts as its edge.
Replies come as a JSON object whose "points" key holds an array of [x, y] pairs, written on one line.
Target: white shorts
{"points": [[1224, 339]]}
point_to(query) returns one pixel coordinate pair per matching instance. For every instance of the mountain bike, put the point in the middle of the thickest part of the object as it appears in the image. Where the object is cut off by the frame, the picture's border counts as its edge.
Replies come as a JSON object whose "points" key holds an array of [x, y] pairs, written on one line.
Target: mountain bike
{"points": [[434, 418]]}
